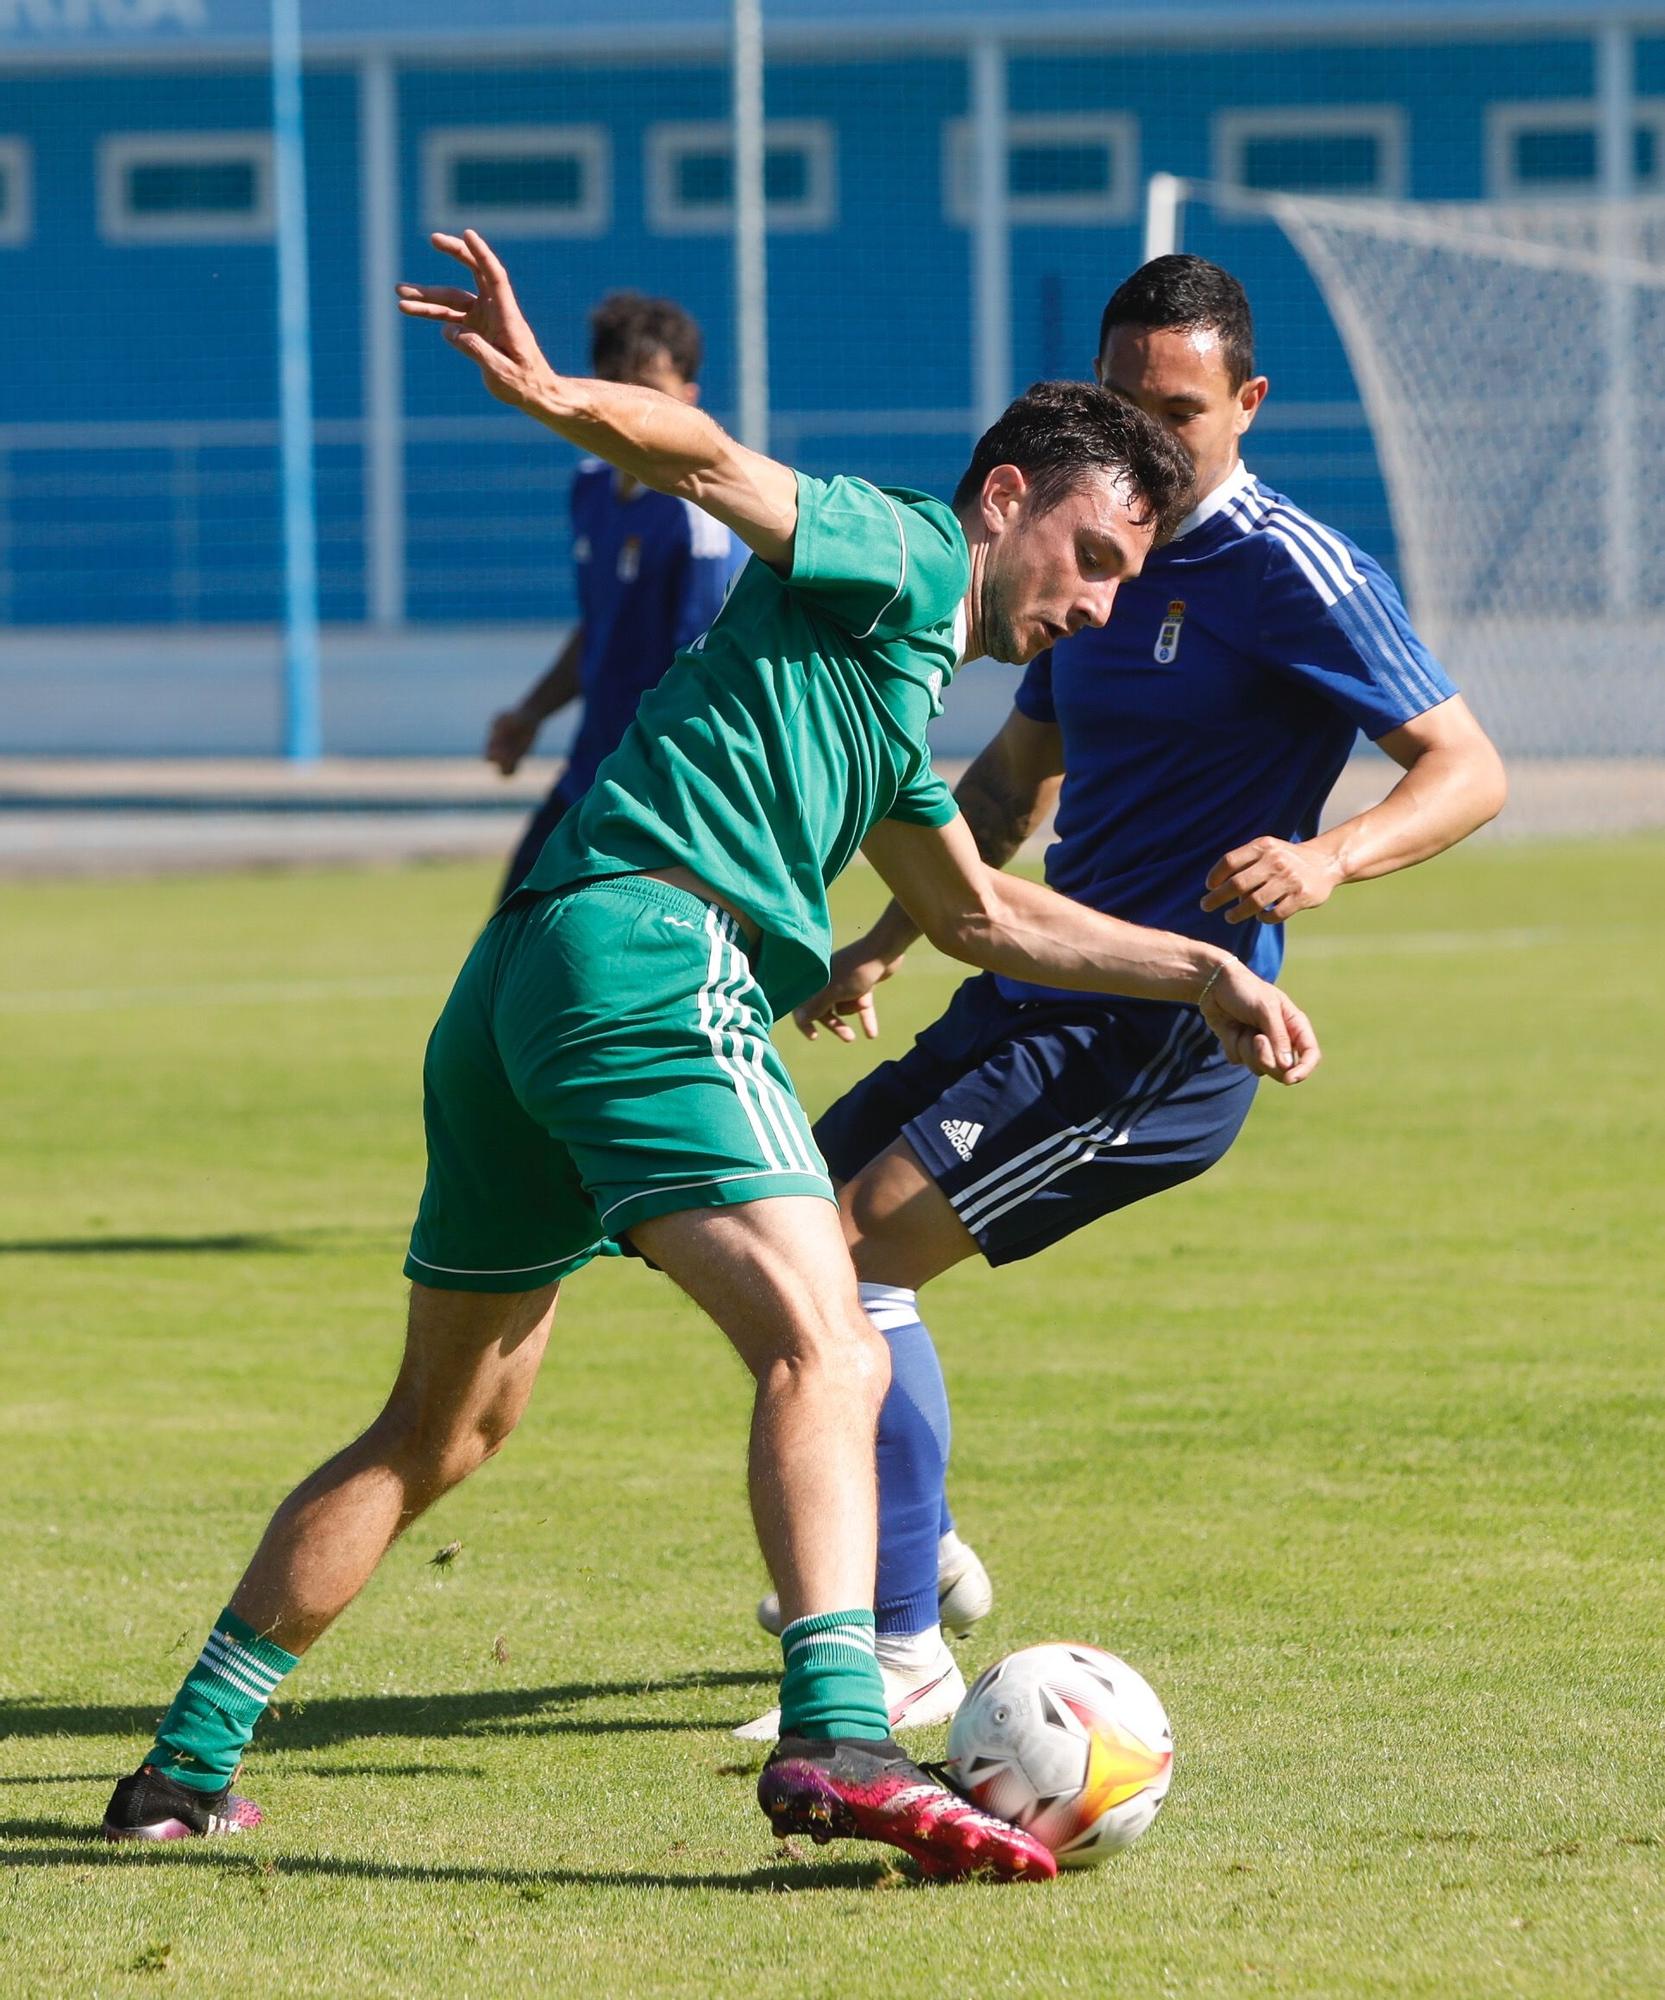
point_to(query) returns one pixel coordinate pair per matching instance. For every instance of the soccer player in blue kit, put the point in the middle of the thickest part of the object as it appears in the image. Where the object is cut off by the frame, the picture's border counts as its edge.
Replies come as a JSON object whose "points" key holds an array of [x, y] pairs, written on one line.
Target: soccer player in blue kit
{"points": [[1189, 746], [652, 571]]}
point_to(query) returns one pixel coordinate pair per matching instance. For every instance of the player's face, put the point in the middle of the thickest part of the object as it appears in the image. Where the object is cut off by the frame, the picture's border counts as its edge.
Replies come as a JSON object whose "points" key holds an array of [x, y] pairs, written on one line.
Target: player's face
{"points": [[1179, 376], [1050, 573]]}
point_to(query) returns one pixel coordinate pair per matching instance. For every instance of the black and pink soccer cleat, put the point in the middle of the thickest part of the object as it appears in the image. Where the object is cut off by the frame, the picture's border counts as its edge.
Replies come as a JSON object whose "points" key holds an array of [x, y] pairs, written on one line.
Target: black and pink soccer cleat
{"points": [[856, 1790], [149, 1805]]}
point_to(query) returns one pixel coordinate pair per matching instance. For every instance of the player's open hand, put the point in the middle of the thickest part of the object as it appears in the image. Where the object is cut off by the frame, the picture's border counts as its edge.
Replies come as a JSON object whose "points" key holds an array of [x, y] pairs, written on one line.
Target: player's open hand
{"points": [[1270, 879], [486, 324], [849, 991], [1259, 1026]]}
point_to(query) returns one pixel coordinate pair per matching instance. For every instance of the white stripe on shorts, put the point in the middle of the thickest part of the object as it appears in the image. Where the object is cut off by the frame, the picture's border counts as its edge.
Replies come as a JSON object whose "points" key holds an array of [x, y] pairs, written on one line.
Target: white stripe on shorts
{"points": [[712, 998], [1126, 1117], [1039, 1165], [1002, 1174], [746, 1035]]}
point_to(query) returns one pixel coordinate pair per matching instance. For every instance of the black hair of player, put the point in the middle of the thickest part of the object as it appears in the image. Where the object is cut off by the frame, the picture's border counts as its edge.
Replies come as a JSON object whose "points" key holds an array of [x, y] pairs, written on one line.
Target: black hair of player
{"points": [[1056, 433], [1187, 292], [628, 332]]}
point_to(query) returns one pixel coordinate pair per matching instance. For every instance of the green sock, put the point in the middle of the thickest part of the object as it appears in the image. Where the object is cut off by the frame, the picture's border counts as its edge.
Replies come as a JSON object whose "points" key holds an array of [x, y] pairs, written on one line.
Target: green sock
{"points": [[204, 1734], [832, 1685]]}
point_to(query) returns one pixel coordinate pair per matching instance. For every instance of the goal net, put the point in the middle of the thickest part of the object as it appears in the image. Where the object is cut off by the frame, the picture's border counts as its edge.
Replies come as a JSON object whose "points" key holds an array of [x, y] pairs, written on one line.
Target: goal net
{"points": [[1511, 359]]}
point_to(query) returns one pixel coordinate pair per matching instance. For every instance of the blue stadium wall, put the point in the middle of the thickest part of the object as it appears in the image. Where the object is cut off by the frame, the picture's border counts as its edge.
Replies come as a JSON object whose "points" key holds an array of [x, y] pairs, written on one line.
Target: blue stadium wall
{"points": [[138, 468]]}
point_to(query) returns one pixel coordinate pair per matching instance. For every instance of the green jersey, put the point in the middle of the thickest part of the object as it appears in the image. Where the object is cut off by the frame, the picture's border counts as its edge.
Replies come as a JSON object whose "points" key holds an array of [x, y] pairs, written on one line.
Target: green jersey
{"points": [[775, 742]]}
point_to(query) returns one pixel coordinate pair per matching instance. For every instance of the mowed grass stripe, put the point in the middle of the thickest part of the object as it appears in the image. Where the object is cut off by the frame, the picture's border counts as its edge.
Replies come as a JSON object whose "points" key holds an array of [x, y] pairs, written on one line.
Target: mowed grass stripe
{"points": [[302, 992], [1350, 1446], [245, 993]]}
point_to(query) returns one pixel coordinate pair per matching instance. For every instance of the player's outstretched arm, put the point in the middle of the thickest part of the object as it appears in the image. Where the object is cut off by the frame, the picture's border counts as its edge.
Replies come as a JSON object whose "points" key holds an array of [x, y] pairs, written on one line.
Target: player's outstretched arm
{"points": [[1006, 924], [668, 445], [1454, 782]]}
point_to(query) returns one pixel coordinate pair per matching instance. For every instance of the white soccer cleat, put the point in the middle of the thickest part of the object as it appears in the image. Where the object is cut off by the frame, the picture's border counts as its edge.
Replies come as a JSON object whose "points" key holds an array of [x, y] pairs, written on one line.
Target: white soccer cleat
{"points": [[964, 1592], [918, 1697]]}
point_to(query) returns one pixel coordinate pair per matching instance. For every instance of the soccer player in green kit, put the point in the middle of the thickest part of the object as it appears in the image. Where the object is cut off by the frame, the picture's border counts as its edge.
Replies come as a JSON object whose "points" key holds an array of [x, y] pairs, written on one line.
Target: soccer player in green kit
{"points": [[603, 1069]]}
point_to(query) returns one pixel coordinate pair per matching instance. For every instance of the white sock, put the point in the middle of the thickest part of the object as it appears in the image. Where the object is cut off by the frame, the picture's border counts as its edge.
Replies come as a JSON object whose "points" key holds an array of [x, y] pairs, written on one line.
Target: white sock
{"points": [[910, 1652], [888, 1305], [948, 1548]]}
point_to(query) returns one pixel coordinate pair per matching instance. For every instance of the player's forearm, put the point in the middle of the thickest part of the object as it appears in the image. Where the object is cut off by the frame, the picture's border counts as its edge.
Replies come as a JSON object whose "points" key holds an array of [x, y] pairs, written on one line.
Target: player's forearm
{"points": [[1443, 798], [1029, 932], [548, 696], [1001, 806], [1001, 809], [658, 440], [674, 448]]}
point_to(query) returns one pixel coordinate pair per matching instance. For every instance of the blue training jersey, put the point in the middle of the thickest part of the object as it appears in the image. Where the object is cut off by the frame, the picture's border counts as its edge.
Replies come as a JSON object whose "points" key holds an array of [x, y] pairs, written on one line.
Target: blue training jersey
{"points": [[652, 575], [1219, 704]]}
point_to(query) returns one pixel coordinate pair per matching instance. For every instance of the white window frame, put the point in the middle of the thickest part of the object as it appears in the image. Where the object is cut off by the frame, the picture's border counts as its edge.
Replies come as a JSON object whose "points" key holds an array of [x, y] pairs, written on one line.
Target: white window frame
{"points": [[17, 224], [118, 151], [1385, 123], [1506, 121], [1119, 131], [668, 216], [443, 145]]}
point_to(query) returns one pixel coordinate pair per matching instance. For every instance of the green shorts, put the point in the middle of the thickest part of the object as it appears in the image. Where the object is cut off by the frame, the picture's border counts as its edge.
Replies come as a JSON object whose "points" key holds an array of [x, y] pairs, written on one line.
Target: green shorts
{"points": [[604, 1057]]}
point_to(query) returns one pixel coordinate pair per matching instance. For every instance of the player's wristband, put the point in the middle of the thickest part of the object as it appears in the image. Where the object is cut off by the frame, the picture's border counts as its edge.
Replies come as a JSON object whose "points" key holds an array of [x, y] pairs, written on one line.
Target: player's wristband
{"points": [[1208, 983]]}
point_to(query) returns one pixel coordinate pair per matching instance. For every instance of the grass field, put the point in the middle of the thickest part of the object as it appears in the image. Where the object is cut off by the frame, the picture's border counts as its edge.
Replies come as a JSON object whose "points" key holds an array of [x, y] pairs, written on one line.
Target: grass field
{"points": [[1353, 1448]]}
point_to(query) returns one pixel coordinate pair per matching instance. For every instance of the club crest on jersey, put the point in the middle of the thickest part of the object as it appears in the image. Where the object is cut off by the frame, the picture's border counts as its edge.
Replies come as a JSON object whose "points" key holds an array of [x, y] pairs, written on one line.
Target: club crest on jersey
{"points": [[1167, 640]]}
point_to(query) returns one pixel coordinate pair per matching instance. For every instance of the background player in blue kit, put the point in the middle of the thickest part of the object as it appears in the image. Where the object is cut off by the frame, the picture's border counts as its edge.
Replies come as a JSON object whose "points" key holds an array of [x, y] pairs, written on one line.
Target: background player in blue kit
{"points": [[1189, 747], [652, 572]]}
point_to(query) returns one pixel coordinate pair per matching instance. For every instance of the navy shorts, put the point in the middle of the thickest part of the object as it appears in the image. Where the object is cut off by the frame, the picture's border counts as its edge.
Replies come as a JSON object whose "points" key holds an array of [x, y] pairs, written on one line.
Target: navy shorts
{"points": [[1035, 1117]]}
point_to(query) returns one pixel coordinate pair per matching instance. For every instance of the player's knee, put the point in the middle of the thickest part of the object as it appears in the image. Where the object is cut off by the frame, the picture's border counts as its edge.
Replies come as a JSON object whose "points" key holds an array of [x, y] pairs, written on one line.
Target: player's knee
{"points": [[849, 1348], [491, 1431], [435, 1449]]}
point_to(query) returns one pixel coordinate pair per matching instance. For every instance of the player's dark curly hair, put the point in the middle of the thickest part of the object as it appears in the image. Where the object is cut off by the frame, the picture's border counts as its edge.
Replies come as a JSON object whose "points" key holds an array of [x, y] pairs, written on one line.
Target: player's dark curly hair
{"points": [[1058, 432], [1187, 292], [628, 329]]}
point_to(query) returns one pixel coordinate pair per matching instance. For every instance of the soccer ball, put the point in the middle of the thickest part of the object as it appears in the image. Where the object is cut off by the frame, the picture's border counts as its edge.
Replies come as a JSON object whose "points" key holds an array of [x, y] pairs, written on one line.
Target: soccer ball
{"points": [[1067, 1742]]}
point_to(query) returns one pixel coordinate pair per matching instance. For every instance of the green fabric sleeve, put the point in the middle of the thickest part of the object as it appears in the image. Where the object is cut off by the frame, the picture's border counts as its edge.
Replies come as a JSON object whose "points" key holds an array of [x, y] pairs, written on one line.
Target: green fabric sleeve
{"points": [[880, 563], [924, 801]]}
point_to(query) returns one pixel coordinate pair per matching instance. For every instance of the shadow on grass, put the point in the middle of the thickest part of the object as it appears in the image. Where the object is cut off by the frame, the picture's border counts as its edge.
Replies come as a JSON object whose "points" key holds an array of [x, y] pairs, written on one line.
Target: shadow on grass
{"points": [[309, 1770], [302, 1724], [232, 1243], [146, 1246], [58, 1778], [390, 1770], [80, 1847]]}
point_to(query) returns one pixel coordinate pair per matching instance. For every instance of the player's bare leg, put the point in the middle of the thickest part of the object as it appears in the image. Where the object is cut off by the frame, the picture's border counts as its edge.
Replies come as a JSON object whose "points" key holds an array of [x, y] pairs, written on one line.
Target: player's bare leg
{"points": [[776, 1277], [470, 1361], [902, 1231], [901, 1227], [469, 1364]]}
